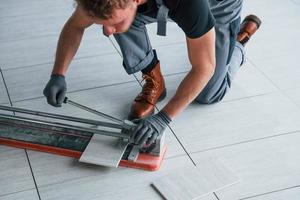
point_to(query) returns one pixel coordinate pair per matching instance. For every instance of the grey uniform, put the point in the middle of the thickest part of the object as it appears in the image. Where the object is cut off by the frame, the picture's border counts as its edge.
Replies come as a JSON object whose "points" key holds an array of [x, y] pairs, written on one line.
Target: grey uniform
{"points": [[138, 53]]}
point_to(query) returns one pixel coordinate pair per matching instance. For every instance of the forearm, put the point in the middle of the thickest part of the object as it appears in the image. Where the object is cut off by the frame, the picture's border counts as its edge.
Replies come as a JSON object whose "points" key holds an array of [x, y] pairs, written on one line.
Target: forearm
{"points": [[67, 47], [189, 88]]}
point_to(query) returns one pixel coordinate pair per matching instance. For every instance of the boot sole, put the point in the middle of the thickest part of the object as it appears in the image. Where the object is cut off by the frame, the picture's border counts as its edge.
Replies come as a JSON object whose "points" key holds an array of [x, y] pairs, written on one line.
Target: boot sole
{"points": [[254, 19]]}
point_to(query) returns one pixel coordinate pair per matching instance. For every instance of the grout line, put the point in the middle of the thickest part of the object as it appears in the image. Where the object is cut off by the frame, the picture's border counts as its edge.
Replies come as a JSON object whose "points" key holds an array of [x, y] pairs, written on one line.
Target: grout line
{"points": [[283, 92], [238, 143], [216, 196], [248, 141], [271, 192], [11, 193], [32, 174], [182, 146]]}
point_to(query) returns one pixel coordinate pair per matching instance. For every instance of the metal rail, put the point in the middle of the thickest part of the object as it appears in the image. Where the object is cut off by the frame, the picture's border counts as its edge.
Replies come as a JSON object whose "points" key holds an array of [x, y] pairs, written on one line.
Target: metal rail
{"points": [[62, 117], [67, 126]]}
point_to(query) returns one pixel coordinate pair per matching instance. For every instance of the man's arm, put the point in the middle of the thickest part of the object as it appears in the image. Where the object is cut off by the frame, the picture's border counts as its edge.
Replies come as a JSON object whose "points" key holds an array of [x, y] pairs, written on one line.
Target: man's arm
{"points": [[67, 46], [201, 53], [70, 39]]}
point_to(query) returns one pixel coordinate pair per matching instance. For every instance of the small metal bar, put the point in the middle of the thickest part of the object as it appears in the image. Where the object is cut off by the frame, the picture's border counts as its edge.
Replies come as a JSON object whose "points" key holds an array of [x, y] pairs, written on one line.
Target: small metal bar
{"points": [[67, 126], [119, 121], [62, 117]]}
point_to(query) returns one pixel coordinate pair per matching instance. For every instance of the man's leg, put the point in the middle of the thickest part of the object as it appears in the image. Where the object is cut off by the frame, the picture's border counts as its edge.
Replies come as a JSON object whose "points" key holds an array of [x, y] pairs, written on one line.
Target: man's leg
{"points": [[138, 55], [229, 53]]}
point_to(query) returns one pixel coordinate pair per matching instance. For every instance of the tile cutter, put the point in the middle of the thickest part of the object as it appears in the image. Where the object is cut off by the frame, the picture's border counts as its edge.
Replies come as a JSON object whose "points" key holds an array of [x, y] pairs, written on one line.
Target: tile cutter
{"points": [[69, 136]]}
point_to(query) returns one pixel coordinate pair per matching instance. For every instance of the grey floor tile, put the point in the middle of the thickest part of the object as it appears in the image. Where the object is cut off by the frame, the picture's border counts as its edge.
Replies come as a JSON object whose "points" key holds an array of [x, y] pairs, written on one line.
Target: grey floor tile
{"points": [[263, 166], [30, 7], [15, 173], [290, 194], [40, 50], [193, 182], [113, 184], [25, 195], [266, 43], [283, 71], [82, 74], [294, 94], [45, 18], [203, 127], [3, 94]]}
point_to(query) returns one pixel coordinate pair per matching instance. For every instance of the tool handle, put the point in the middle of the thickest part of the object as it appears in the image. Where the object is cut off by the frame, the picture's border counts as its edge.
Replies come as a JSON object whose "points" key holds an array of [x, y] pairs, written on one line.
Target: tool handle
{"points": [[119, 121]]}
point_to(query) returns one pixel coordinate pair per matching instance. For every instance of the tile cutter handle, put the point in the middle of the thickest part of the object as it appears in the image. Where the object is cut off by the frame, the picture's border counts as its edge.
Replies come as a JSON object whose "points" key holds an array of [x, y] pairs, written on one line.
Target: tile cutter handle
{"points": [[125, 123]]}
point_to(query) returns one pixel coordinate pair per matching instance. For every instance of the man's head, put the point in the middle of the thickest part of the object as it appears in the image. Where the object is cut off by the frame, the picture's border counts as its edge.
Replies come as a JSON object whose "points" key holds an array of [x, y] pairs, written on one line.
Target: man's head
{"points": [[116, 16]]}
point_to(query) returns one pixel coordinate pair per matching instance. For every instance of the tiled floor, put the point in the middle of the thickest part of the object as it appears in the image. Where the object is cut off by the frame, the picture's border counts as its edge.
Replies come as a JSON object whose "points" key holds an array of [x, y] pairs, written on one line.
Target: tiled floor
{"points": [[255, 130]]}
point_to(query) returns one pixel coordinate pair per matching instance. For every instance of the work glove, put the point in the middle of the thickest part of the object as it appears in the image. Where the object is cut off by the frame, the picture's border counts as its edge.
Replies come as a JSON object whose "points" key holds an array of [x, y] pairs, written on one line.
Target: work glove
{"points": [[149, 129], [55, 90]]}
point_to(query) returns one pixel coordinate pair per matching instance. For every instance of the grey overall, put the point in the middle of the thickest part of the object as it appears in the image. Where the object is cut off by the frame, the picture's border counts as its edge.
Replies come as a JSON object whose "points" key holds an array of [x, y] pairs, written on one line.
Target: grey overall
{"points": [[138, 53]]}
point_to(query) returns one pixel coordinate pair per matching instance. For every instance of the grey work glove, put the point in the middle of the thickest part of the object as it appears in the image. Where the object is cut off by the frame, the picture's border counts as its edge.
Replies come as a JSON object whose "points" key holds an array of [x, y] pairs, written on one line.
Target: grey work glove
{"points": [[55, 90], [149, 128]]}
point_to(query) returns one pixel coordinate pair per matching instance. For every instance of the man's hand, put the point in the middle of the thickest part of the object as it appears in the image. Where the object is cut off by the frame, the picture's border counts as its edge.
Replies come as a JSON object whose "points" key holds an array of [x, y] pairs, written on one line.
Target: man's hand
{"points": [[55, 90], [148, 129]]}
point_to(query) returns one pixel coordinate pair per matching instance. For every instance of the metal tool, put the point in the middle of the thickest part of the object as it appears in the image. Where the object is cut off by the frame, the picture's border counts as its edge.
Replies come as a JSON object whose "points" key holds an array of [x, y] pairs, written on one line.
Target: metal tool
{"points": [[66, 135]]}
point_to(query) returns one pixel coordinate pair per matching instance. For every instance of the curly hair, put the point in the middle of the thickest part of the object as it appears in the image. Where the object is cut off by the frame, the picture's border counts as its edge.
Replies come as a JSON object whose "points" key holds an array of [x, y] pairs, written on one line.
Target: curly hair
{"points": [[102, 9]]}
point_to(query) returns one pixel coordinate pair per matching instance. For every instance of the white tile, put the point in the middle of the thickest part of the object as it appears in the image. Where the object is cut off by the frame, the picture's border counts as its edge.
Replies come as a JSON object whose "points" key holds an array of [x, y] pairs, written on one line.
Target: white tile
{"points": [[31, 7], [294, 95], [25, 195], [203, 127], [263, 165], [112, 184], [277, 35], [3, 94], [82, 74], [15, 173], [19, 24], [290, 194], [196, 181], [41, 50], [283, 71]]}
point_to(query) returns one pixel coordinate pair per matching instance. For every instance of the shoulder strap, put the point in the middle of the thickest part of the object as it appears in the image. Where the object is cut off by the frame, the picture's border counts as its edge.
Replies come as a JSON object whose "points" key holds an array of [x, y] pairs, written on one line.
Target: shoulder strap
{"points": [[162, 18]]}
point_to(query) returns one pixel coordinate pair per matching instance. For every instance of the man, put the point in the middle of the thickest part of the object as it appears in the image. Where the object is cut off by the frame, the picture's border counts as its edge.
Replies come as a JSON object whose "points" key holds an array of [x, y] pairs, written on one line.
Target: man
{"points": [[215, 42]]}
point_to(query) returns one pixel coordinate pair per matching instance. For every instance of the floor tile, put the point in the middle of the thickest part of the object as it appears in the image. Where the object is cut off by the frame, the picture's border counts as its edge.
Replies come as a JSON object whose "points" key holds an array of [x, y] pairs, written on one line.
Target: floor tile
{"points": [[193, 182], [40, 50], [263, 166], [114, 184], [3, 94], [277, 39], [19, 24], [294, 95], [15, 173], [203, 127], [82, 74], [283, 71], [290, 194], [26, 195]]}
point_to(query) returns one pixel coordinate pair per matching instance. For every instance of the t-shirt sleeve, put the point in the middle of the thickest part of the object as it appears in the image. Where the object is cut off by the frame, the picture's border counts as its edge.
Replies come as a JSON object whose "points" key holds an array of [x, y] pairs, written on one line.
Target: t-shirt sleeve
{"points": [[193, 17]]}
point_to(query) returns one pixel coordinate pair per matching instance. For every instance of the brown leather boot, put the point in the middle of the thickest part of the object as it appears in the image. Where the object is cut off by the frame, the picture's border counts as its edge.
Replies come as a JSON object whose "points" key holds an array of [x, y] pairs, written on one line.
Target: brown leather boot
{"points": [[153, 91], [249, 26]]}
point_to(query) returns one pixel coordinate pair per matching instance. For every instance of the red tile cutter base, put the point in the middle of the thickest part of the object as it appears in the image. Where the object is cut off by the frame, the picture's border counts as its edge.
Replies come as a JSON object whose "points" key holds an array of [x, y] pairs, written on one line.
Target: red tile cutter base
{"points": [[144, 161], [71, 140]]}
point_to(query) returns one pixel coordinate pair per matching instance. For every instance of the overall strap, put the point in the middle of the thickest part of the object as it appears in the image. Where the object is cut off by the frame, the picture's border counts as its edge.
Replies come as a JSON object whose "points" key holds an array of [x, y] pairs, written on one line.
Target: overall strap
{"points": [[162, 18]]}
